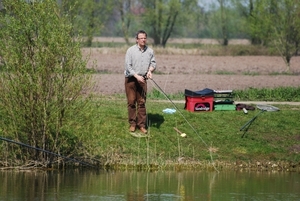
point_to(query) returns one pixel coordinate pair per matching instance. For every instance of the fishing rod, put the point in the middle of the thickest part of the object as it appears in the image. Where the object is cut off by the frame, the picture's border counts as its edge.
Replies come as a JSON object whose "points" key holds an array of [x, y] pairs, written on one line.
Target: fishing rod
{"points": [[45, 151]]}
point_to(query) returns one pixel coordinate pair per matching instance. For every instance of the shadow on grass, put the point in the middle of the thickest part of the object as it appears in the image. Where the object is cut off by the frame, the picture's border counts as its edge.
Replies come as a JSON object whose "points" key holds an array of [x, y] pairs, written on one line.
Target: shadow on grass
{"points": [[155, 120]]}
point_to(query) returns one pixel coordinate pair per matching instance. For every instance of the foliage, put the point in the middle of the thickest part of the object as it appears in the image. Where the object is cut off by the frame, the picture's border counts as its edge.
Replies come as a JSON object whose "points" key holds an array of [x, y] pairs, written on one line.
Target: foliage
{"points": [[127, 10], [277, 23], [88, 16], [42, 76], [162, 19], [246, 10], [161, 16], [190, 22]]}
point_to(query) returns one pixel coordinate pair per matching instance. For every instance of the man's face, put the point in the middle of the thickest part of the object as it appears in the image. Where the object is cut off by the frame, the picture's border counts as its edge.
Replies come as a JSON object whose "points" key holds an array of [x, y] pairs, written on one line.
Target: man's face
{"points": [[141, 39]]}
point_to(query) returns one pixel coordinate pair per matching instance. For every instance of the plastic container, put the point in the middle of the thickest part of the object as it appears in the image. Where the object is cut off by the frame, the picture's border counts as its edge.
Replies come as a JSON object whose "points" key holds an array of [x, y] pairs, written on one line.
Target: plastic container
{"points": [[224, 107], [199, 101]]}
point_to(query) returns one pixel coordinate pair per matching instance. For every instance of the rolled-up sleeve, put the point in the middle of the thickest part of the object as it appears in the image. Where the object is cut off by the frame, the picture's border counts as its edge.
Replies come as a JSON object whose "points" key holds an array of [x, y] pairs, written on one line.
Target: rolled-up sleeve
{"points": [[153, 61]]}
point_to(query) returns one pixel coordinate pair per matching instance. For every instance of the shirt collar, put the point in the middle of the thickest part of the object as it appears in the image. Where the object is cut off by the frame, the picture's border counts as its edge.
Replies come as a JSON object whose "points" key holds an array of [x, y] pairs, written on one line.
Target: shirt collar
{"points": [[145, 48]]}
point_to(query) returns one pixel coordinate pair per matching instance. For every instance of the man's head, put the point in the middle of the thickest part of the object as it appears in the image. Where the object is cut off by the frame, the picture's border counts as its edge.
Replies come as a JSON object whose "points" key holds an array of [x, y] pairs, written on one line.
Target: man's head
{"points": [[141, 38]]}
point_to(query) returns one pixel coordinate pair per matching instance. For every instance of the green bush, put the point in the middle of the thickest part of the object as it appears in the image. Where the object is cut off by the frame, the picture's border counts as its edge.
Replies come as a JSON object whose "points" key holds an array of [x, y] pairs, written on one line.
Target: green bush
{"points": [[42, 80]]}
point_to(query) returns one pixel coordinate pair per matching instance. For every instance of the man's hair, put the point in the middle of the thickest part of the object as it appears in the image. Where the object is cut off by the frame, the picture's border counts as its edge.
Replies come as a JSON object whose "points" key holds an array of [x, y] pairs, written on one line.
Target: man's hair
{"points": [[140, 31]]}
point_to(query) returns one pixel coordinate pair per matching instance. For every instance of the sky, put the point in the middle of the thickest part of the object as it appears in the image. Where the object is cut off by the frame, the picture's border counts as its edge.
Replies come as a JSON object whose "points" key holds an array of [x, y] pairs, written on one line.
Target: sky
{"points": [[206, 3]]}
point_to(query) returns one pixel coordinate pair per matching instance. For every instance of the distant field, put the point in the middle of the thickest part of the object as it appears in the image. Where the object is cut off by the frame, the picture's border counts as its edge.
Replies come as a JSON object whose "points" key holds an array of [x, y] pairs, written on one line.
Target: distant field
{"points": [[175, 40]]}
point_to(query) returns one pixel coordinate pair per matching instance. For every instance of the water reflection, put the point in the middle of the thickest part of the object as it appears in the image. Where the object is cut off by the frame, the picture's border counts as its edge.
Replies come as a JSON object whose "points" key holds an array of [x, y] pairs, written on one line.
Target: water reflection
{"points": [[86, 185]]}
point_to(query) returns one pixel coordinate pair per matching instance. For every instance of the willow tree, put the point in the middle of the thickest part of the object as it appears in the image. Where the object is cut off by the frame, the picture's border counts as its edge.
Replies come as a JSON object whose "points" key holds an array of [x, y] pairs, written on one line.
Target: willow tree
{"points": [[42, 79]]}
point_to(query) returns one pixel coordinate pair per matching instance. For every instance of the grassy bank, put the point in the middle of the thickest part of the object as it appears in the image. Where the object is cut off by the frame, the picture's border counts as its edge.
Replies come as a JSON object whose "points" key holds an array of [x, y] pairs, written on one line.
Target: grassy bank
{"points": [[272, 141], [214, 139]]}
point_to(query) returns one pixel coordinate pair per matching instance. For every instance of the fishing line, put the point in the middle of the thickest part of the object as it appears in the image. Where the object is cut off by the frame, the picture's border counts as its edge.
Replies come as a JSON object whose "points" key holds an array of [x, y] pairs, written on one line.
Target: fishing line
{"points": [[179, 111], [43, 150], [210, 150]]}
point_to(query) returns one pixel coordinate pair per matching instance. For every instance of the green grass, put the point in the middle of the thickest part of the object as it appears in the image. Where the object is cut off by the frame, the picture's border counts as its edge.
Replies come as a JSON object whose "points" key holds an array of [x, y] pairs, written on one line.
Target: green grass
{"points": [[251, 94], [267, 94], [225, 73], [212, 137], [273, 136], [251, 73]]}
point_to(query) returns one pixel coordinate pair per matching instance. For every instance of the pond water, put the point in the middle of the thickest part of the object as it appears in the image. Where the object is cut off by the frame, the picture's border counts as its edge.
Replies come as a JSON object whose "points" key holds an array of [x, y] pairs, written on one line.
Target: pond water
{"points": [[90, 185]]}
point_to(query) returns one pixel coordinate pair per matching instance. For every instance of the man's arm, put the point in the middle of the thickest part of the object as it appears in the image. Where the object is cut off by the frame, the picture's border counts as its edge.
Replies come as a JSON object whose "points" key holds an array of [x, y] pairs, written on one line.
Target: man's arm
{"points": [[150, 71], [152, 67]]}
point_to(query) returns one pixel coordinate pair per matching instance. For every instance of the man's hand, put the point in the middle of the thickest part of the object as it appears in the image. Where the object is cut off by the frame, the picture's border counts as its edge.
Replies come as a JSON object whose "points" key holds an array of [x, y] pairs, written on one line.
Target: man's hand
{"points": [[139, 78], [149, 75]]}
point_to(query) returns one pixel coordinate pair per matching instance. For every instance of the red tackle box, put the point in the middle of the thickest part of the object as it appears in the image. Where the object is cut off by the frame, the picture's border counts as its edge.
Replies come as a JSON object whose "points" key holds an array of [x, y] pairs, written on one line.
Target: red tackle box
{"points": [[199, 101]]}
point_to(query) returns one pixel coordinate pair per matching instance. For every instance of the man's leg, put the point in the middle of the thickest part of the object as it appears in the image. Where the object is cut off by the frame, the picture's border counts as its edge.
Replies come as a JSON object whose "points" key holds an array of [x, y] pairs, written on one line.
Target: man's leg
{"points": [[141, 104], [130, 89]]}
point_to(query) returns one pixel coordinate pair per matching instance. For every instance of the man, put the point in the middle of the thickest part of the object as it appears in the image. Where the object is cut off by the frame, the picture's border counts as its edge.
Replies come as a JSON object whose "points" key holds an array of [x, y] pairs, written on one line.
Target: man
{"points": [[139, 65]]}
